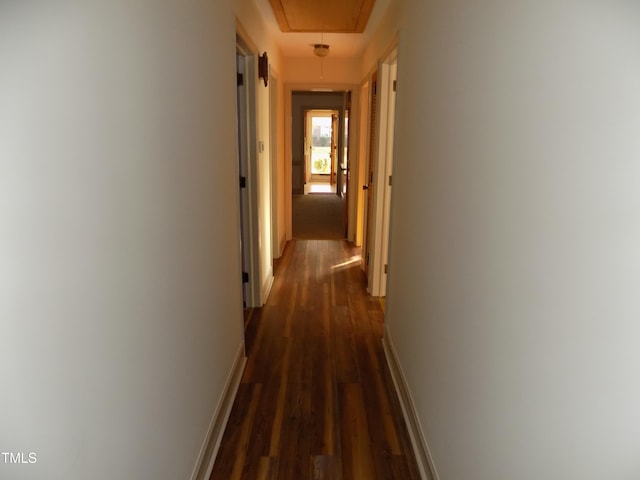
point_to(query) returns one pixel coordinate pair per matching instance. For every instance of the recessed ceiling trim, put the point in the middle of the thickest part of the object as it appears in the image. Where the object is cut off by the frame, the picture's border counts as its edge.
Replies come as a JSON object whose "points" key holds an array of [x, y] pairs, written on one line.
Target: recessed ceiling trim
{"points": [[281, 18], [331, 16], [365, 12]]}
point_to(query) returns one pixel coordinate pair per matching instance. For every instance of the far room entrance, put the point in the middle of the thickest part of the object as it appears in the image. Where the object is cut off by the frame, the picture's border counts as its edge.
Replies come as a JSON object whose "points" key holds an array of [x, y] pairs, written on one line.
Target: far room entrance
{"points": [[319, 164], [321, 130]]}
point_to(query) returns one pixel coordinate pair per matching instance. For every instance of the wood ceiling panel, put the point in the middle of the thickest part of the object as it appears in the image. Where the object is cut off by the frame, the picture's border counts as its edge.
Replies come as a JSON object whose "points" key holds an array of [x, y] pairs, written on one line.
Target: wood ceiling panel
{"points": [[332, 16]]}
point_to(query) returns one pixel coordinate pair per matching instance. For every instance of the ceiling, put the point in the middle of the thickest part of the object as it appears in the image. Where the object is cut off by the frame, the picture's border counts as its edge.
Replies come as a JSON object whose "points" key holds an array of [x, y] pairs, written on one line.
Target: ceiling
{"points": [[300, 44], [338, 16]]}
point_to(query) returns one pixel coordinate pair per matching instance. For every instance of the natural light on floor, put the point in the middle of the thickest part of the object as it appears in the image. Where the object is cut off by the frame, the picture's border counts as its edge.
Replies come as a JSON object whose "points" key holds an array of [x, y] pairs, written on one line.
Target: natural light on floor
{"points": [[348, 263]]}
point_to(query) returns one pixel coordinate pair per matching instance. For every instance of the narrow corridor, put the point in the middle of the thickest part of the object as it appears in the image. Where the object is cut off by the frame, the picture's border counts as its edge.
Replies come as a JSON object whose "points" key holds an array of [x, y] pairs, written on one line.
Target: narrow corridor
{"points": [[316, 400]]}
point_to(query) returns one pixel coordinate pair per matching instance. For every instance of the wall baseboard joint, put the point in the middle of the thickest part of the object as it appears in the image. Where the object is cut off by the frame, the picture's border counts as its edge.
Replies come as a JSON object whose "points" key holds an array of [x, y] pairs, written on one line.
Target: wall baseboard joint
{"points": [[418, 442], [211, 444], [266, 288]]}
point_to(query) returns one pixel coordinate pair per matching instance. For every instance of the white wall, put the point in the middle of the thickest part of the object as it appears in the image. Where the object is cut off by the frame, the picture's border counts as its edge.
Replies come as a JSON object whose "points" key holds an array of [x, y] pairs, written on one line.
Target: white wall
{"points": [[514, 289], [383, 38], [308, 70], [120, 300]]}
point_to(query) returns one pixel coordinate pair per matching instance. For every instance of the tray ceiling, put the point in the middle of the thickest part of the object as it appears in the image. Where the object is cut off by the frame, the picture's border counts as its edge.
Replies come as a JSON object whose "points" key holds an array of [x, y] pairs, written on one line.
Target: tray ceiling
{"points": [[331, 16]]}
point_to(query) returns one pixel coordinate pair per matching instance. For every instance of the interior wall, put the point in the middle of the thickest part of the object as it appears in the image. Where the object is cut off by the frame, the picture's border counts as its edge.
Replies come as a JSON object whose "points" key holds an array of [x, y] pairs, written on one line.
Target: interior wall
{"points": [[252, 21], [383, 38], [513, 294], [308, 70], [120, 298]]}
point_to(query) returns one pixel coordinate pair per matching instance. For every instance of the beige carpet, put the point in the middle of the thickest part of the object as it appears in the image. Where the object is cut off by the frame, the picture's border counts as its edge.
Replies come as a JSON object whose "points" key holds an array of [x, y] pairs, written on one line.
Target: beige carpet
{"points": [[318, 217]]}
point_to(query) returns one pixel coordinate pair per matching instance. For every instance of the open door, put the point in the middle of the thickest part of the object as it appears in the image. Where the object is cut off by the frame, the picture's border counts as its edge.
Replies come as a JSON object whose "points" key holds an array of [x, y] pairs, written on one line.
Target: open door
{"points": [[387, 132], [243, 171], [368, 186], [379, 180], [248, 175], [308, 147], [320, 155], [343, 170], [334, 148]]}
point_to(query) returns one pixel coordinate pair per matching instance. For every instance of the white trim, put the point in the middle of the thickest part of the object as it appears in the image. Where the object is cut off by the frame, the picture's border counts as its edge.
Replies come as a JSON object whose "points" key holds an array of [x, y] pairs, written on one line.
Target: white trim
{"points": [[390, 73], [249, 161], [266, 287], [211, 444], [383, 165], [420, 447], [274, 161]]}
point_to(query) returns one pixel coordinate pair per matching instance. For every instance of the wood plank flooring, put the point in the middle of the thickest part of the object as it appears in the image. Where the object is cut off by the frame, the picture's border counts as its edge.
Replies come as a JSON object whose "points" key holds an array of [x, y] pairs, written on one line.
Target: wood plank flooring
{"points": [[316, 399]]}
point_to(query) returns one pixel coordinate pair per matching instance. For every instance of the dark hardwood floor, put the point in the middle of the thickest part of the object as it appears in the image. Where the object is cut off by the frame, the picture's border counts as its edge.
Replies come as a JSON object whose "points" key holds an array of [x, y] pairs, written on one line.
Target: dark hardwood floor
{"points": [[316, 400]]}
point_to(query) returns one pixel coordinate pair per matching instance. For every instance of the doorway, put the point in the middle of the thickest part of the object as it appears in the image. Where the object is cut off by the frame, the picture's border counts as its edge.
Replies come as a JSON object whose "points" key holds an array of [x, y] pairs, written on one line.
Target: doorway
{"points": [[321, 146], [243, 169], [317, 169], [377, 185], [249, 174]]}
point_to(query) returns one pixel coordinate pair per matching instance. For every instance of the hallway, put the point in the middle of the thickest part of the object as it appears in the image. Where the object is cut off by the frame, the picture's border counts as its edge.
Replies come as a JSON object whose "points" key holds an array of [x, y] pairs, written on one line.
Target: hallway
{"points": [[316, 400]]}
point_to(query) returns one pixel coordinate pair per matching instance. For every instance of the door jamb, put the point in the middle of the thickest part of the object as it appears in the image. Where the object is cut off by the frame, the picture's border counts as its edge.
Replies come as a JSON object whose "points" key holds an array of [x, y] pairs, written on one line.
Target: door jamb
{"points": [[243, 48], [383, 155]]}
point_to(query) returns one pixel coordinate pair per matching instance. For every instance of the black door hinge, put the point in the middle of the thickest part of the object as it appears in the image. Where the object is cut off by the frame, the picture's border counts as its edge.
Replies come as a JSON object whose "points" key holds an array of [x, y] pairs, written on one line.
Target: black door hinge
{"points": [[243, 182], [245, 277], [240, 79]]}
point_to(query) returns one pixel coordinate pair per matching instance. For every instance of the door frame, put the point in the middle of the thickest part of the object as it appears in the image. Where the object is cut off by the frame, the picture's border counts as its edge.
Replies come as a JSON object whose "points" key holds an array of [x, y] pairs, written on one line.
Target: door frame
{"points": [[388, 125], [368, 186], [290, 89], [247, 154], [308, 143], [359, 164], [274, 132], [377, 216], [344, 162]]}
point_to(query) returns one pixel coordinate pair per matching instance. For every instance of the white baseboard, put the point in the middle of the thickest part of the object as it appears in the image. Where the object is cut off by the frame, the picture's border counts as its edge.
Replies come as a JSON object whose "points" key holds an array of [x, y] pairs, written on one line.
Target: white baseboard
{"points": [[266, 288], [209, 449], [418, 442], [283, 243]]}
